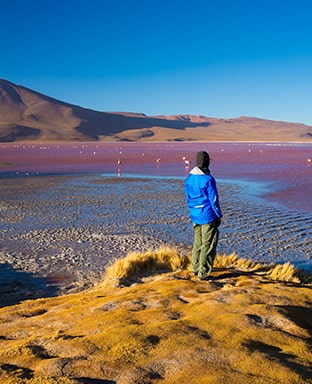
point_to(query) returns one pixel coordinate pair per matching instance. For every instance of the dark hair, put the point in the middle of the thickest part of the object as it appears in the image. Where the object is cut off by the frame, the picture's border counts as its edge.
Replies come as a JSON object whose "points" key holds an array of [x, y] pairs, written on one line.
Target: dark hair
{"points": [[202, 159]]}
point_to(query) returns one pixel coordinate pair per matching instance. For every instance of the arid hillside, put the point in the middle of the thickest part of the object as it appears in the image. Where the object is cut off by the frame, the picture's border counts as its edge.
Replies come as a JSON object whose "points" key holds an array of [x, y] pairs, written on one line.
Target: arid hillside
{"points": [[26, 115]]}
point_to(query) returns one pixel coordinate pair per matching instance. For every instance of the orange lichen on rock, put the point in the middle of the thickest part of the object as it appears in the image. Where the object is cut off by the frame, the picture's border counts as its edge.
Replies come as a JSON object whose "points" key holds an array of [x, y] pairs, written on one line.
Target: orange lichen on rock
{"points": [[164, 326]]}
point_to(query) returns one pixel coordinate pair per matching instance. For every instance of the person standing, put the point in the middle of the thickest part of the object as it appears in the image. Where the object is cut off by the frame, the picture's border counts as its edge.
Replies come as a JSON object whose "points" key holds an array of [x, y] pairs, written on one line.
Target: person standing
{"points": [[203, 202]]}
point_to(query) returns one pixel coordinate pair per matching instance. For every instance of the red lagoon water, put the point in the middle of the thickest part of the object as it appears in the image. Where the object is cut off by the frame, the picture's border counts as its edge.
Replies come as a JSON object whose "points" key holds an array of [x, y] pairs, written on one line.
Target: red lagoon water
{"points": [[286, 166]]}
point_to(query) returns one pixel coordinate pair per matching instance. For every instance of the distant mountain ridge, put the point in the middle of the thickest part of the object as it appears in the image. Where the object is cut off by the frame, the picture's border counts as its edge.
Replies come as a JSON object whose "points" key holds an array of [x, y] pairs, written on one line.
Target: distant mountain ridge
{"points": [[27, 115]]}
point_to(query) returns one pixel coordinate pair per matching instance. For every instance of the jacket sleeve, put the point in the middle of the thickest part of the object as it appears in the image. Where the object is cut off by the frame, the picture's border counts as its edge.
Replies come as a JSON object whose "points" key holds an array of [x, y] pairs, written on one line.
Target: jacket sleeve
{"points": [[214, 197]]}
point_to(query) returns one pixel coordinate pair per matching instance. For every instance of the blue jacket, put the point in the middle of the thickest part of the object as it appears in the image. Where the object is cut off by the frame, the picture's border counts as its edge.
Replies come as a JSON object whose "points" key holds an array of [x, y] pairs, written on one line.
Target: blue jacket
{"points": [[202, 197]]}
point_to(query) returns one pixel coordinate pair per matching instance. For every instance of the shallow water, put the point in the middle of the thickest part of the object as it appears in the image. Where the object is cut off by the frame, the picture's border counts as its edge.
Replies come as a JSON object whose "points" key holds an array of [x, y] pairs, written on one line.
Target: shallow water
{"points": [[287, 166], [120, 198], [78, 216]]}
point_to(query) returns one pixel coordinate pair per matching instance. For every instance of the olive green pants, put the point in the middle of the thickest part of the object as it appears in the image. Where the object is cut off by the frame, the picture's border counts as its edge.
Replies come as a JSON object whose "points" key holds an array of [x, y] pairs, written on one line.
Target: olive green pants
{"points": [[204, 248]]}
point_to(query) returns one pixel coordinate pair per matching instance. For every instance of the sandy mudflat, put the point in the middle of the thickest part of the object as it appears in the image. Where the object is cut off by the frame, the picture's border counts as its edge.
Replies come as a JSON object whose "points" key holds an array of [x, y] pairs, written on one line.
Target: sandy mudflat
{"points": [[59, 232]]}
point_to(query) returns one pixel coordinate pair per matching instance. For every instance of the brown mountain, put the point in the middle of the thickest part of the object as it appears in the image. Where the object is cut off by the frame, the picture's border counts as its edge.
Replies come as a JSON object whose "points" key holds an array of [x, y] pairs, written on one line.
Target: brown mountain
{"points": [[26, 115]]}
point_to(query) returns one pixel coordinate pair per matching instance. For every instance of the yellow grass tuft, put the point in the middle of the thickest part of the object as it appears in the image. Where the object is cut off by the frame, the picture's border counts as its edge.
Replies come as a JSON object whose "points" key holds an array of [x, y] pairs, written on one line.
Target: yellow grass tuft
{"points": [[232, 261], [137, 264], [284, 272], [280, 272], [287, 272]]}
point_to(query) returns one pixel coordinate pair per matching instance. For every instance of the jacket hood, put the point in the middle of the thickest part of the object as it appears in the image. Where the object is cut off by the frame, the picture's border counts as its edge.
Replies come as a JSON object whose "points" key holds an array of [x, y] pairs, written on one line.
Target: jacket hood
{"points": [[198, 171]]}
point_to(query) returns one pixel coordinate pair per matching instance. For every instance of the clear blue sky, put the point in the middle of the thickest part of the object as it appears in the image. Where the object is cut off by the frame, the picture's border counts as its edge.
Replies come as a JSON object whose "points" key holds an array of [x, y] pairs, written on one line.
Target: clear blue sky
{"points": [[218, 58]]}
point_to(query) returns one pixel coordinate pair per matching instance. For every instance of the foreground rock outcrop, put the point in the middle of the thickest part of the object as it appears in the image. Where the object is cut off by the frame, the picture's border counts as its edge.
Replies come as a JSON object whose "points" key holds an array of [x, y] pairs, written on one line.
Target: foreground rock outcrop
{"points": [[245, 325]]}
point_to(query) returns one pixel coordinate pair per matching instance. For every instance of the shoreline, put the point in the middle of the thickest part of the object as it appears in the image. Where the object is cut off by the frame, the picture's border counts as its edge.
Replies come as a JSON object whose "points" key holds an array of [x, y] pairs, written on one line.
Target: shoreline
{"points": [[289, 165], [278, 195], [60, 232]]}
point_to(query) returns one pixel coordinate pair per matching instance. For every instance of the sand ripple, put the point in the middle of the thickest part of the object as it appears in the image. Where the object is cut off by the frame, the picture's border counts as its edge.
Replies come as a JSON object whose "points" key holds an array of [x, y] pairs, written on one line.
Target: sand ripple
{"points": [[62, 231]]}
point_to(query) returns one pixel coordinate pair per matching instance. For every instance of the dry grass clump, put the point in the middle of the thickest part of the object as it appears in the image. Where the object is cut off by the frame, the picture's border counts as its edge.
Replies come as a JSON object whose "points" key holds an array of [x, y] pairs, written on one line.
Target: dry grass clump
{"points": [[287, 272], [279, 272], [232, 261], [136, 264]]}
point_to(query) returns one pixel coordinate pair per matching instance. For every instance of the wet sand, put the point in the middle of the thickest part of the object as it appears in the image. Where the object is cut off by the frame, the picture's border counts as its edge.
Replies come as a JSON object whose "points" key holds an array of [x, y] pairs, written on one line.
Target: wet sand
{"points": [[58, 232]]}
